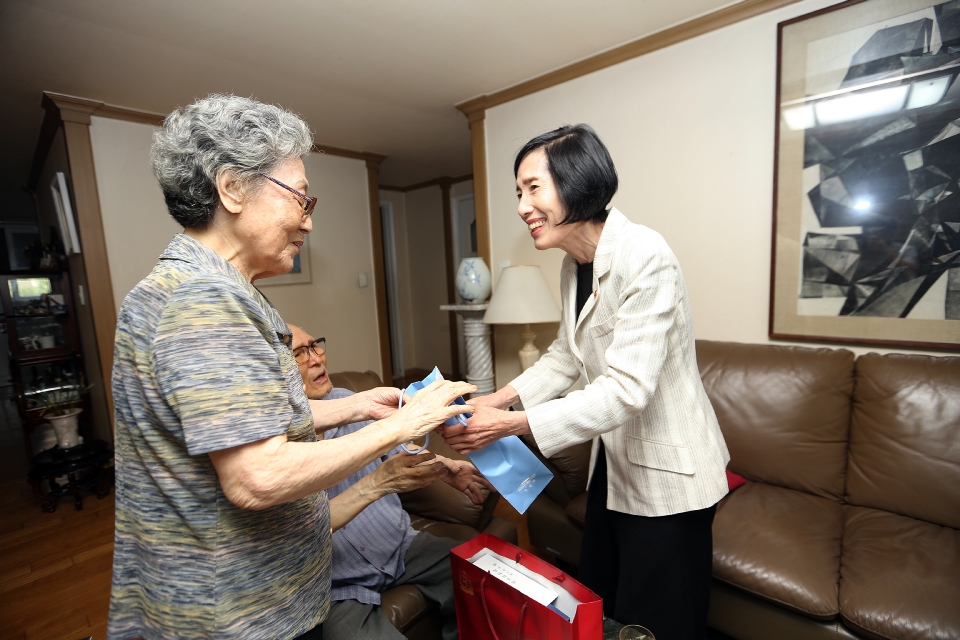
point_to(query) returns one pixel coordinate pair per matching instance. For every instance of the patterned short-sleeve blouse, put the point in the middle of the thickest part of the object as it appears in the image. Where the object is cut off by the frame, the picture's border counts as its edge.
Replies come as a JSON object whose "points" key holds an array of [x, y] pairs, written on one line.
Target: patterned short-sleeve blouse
{"points": [[202, 363]]}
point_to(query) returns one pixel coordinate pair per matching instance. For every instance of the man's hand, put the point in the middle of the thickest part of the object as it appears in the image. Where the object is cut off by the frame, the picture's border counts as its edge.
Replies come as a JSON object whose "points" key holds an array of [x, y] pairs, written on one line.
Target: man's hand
{"points": [[487, 425], [402, 472], [463, 476]]}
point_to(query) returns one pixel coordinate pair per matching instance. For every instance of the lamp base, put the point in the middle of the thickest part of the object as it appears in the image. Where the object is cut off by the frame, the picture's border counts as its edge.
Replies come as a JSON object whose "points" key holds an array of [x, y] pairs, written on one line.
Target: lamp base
{"points": [[529, 353]]}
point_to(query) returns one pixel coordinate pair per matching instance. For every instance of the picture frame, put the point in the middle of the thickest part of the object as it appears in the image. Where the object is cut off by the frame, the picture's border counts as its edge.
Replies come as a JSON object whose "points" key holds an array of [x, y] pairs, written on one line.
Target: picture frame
{"points": [[300, 274], [866, 232], [61, 202]]}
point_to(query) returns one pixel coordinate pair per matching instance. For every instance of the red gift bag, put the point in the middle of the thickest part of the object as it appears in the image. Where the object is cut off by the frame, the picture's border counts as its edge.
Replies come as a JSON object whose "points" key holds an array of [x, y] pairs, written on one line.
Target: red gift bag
{"points": [[490, 609]]}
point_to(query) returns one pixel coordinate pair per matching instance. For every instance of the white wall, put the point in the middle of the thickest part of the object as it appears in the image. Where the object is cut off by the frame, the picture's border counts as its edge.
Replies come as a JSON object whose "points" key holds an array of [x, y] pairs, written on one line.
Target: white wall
{"points": [[691, 131], [136, 225], [137, 228]]}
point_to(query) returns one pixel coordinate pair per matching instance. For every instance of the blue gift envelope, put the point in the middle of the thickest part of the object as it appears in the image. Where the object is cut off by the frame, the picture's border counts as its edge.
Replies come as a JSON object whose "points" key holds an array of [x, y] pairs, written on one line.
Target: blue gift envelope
{"points": [[508, 464]]}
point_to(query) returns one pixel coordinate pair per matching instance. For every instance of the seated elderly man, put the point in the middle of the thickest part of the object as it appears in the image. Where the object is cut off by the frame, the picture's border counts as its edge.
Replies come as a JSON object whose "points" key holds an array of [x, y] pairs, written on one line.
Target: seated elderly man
{"points": [[378, 549]]}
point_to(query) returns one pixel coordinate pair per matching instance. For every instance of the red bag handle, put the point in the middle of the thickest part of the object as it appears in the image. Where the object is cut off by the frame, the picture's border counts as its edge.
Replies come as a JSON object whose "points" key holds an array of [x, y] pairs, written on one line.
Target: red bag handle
{"points": [[486, 611]]}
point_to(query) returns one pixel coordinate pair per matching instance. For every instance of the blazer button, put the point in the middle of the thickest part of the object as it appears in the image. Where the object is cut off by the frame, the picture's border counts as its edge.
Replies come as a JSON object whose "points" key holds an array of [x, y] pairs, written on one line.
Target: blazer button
{"points": [[363, 548]]}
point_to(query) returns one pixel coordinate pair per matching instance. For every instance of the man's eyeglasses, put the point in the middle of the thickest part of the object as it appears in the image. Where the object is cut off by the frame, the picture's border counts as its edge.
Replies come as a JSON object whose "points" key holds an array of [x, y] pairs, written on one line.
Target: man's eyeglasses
{"points": [[318, 347], [309, 202]]}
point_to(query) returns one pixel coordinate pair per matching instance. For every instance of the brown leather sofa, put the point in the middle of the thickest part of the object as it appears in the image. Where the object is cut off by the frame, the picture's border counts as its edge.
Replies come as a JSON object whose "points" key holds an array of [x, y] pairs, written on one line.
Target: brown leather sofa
{"points": [[849, 522], [438, 509]]}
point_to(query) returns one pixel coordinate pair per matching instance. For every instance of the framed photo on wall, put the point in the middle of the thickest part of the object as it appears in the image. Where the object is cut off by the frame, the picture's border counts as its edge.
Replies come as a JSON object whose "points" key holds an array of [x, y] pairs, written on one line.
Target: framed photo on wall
{"points": [[866, 235], [300, 274]]}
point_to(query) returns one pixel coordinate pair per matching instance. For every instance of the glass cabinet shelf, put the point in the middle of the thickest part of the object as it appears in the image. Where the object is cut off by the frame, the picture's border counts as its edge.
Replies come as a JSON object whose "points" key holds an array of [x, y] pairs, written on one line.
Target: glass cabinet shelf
{"points": [[40, 332], [48, 377]]}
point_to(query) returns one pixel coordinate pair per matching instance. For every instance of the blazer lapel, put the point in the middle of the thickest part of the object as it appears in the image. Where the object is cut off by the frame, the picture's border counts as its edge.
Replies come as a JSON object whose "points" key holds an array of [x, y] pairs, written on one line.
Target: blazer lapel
{"points": [[601, 265], [570, 306]]}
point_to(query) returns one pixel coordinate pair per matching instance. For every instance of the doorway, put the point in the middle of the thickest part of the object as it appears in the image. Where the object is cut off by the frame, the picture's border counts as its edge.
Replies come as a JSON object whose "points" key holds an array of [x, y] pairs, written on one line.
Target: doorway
{"points": [[392, 288]]}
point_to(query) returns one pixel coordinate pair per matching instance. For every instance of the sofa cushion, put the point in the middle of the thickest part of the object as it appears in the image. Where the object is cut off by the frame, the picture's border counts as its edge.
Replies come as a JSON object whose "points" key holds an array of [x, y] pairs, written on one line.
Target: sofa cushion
{"points": [[899, 577], [905, 437], [782, 545], [573, 463], [784, 411]]}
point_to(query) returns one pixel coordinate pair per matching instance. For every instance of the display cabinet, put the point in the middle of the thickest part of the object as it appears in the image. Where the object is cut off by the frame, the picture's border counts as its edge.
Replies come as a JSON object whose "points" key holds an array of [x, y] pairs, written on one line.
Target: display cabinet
{"points": [[43, 342]]}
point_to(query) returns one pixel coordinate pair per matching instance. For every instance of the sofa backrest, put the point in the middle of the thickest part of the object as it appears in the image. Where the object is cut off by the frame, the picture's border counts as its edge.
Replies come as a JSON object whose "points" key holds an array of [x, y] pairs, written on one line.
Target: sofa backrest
{"points": [[356, 381], [905, 437], [784, 411]]}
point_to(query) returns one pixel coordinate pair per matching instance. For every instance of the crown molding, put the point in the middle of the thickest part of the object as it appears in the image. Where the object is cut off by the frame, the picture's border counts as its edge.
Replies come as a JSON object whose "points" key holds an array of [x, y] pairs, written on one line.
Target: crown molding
{"points": [[439, 182], [367, 156], [475, 107], [76, 109]]}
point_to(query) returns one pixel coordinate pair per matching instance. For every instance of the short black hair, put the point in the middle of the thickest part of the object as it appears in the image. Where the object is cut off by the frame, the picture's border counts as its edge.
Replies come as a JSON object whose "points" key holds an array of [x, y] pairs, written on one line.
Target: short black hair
{"points": [[581, 168]]}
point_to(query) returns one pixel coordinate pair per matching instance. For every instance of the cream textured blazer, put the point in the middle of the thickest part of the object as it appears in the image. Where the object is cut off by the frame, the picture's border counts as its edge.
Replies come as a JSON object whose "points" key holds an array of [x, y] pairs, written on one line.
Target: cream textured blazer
{"points": [[633, 344]]}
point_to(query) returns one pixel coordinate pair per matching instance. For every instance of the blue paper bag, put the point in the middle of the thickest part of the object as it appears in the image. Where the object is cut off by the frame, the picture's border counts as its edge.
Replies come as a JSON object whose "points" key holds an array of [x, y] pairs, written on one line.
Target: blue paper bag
{"points": [[508, 464], [411, 391], [513, 469]]}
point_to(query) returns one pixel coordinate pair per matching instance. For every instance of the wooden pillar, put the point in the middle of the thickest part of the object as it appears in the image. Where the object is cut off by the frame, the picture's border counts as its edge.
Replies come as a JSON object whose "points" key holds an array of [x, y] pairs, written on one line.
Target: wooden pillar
{"points": [[76, 129]]}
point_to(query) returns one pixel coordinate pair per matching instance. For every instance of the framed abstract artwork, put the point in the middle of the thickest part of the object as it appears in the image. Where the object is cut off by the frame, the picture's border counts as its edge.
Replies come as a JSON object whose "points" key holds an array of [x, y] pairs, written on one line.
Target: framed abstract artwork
{"points": [[866, 236]]}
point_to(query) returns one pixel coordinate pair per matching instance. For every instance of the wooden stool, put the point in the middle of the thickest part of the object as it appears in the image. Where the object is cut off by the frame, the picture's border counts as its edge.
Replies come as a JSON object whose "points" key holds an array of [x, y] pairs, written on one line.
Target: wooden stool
{"points": [[80, 464]]}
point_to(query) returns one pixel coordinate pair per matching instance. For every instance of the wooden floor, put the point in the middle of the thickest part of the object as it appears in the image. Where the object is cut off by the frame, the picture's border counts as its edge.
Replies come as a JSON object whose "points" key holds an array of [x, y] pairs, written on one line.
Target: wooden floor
{"points": [[54, 567]]}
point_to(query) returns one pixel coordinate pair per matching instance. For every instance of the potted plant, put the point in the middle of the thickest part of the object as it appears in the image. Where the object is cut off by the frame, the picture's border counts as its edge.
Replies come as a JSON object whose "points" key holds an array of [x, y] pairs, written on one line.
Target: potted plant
{"points": [[61, 406]]}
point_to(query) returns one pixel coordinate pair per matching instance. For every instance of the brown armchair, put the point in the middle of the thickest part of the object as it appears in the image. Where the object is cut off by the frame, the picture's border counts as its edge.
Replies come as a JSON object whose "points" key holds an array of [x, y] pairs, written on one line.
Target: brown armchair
{"points": [[440, 510]]}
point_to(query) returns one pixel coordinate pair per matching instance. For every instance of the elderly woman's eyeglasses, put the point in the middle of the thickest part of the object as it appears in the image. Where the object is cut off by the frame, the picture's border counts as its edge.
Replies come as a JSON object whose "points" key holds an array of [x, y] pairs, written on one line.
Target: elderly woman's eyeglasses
{"points": [[309, 202], [318, 347]]}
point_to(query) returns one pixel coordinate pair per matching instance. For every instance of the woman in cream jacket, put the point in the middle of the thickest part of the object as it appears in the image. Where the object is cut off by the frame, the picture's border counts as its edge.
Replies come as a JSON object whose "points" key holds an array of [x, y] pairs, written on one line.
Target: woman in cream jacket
{"points": [[658, 457]]}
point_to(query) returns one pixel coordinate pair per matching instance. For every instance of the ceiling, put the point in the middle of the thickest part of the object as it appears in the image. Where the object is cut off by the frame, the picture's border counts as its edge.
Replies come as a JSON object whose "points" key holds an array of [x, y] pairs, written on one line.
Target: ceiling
{"points": [[368, 75]]}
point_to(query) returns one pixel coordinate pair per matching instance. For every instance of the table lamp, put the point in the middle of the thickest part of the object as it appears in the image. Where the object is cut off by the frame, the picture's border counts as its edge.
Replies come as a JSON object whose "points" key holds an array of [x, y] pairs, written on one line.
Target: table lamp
{"points": [[522, 296]]}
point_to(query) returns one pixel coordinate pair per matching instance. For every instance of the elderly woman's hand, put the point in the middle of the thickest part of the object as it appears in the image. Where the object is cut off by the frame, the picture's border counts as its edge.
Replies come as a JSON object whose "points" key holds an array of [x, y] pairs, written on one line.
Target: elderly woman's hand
{"points": [[380, 402], [432, 406]]}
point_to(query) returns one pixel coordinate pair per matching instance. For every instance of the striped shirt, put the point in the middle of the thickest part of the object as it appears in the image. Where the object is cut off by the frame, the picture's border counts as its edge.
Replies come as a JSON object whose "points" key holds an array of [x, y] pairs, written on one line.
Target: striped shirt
{"points": [[202, 363], [368, 552]]}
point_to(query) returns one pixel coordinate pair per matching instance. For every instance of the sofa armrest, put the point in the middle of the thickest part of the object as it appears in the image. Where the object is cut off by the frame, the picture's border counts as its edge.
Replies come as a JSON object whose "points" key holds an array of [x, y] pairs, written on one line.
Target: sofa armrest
{"points": [[503, 529]]}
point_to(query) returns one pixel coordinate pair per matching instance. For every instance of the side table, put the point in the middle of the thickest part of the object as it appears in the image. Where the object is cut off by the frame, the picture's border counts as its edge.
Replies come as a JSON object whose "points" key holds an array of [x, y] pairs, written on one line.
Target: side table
{"points": [[81, 465]]}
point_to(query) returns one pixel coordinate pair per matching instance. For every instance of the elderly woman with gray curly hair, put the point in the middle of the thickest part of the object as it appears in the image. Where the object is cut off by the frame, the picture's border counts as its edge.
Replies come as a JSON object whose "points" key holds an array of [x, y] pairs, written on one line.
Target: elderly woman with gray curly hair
{"points": [[222, 524]]}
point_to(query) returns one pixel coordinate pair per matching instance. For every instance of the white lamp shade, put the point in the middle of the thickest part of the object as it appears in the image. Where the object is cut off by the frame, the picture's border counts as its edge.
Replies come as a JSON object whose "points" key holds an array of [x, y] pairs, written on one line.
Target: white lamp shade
{"points": [[522, 296]]}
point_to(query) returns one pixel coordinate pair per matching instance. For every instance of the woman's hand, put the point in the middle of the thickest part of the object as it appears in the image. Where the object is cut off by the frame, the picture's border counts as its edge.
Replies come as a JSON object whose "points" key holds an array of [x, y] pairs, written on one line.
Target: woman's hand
{"points": [[487, 425], [401, 473], [463, 476], [432, 406], [502, 399], [380, 402]]}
